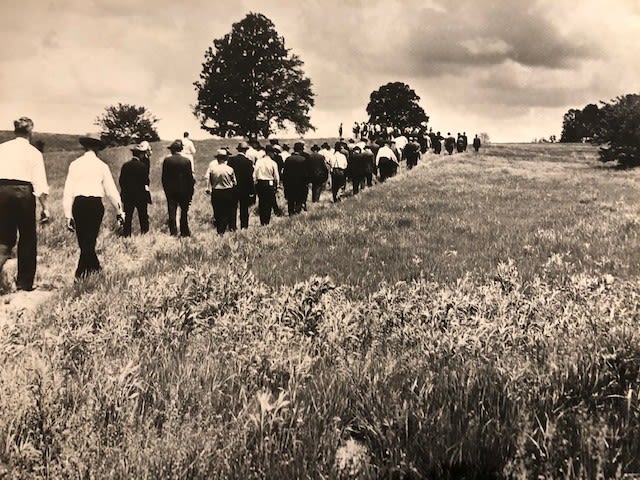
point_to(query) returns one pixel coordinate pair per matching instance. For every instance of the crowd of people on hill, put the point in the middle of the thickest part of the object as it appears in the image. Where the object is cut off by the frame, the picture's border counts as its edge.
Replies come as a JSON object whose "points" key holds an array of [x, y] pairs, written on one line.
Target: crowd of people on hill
{"points": [[234, 182]]}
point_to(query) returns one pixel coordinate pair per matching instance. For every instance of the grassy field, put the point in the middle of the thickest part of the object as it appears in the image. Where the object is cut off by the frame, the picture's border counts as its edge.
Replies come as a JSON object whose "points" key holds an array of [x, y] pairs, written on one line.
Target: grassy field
{"points": [[476, 317]]}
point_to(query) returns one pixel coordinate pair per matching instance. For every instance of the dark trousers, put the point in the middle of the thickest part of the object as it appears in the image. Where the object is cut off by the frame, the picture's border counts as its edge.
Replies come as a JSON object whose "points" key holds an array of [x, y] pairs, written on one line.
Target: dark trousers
{"points": [[223, 202], [266, 191], [338, 180], [18, 223], [87, 216], [358, 182], [175, 200], [316, 190], [129, 207], [388, 168], [242, 205]]}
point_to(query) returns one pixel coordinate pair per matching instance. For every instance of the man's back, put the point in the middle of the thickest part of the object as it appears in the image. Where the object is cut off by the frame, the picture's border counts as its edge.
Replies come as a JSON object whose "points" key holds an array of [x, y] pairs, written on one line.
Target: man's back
{"points": [[243, 168], [176, 175], [133, 179], [318, 171]]}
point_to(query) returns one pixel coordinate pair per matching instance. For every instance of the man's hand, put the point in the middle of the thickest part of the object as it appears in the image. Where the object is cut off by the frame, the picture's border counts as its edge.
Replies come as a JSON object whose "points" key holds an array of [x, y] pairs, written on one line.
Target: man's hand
{"points": [[120, 218], [45, 216], [71, 225]]}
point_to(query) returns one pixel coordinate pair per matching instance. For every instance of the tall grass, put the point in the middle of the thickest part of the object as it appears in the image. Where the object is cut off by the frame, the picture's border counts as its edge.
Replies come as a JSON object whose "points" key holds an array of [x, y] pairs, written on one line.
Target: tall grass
{"points": [[476, 318]]}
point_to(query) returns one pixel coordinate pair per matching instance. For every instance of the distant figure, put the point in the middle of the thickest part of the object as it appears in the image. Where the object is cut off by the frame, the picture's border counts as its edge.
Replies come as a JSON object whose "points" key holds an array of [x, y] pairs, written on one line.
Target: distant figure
{"points": [[318, 173], [266, 176], [476, 143], [245, 190], [22, 180], [134, 188], [460, 143], [221, 181], [88, 181], [356, 130], [437, 143], [449, 143], [465, 141], [340, 130], [338, 170], [189, 151], [178, 183], [412, 153], [296, 179]]}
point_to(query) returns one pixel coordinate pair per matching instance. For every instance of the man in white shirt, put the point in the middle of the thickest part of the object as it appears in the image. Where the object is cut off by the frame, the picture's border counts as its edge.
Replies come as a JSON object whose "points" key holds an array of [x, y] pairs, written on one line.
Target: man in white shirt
{"points": [[189, 151], [22, 179], [387, 161], [338, 170], [266, 177], [88, 180]]}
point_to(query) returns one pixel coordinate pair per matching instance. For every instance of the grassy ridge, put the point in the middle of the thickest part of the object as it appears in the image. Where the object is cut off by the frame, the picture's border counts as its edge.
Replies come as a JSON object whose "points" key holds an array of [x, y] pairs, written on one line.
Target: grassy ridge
{"points": [[480, 319]]}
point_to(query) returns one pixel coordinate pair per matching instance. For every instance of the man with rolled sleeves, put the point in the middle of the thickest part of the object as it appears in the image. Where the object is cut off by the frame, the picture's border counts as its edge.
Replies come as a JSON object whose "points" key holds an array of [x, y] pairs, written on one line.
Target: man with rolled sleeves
{"points": [[178, 183], [22, 179], [221, 184]]}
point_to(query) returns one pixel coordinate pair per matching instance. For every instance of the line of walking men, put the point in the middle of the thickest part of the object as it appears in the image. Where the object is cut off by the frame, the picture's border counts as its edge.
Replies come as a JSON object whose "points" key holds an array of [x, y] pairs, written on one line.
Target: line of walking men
{"points": [[233, 183]]}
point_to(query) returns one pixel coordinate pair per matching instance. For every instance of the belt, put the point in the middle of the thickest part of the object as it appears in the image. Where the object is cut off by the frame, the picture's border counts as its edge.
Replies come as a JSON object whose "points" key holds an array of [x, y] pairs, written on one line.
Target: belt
{"points": [[338, 168], [4, 182]]}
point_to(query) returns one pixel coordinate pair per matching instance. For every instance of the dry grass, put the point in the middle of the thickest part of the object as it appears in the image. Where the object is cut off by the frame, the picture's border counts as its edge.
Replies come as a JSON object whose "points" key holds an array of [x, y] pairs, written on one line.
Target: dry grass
{"points": [[477, 317]]}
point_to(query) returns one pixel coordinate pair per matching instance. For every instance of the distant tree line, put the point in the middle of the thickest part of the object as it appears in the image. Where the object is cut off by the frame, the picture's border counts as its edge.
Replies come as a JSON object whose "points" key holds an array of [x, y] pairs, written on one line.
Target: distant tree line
{"points": [[615, 126]]}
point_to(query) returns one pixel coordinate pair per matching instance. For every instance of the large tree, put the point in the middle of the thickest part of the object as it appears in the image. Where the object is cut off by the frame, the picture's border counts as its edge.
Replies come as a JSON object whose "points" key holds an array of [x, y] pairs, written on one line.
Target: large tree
{"points": [[578, 125], [619, 131], [396, 105], [123, 124], [251, 84]]}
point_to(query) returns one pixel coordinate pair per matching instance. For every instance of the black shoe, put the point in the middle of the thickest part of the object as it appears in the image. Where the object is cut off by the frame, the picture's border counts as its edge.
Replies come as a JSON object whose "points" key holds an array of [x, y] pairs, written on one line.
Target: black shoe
{"points": [[26, 289]]}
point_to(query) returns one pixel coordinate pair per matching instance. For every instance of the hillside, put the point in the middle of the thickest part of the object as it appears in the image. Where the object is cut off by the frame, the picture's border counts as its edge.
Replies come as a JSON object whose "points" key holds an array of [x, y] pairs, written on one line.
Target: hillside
{"points": [[476, 317]]}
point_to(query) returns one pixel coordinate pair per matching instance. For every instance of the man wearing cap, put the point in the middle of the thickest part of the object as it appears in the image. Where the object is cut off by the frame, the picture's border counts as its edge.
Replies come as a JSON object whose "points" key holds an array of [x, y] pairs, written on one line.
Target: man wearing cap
{"points": [[296, 179], [134, 188], [318, 173], [178, 183], [88, 180], [22, 179], [245, 190], [189, 151], [221, 181], [266, 177]]}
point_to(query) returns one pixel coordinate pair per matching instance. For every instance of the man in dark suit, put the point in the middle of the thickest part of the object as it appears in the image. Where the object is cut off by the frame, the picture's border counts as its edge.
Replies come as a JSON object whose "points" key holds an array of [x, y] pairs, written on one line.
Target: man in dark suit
{"points": [[296, 179], [134, 188], [178, 183], [245, 190], [357, 168], [318, 173]]}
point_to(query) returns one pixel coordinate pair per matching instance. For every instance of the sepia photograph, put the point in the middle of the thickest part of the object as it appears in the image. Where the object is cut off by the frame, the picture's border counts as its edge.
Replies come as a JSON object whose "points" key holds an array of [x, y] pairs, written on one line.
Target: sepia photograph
{"points": [[320, 239]]}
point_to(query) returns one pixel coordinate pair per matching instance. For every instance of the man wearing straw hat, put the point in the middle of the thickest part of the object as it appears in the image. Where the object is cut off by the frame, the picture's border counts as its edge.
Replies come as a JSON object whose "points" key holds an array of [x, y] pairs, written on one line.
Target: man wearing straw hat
{"points": [[88, 180], [22, 179]]}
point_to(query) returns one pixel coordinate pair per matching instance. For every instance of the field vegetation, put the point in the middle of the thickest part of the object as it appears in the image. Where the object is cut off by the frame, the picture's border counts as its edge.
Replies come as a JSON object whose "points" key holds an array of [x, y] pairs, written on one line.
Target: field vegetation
{"points": [[477, 317]]}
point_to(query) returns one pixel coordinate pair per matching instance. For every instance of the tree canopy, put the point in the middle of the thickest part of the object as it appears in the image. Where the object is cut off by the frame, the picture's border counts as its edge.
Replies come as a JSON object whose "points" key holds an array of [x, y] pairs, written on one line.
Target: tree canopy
{"points": [[251, 84], [579, 125], [396, 105], [619, 131], [123, 124]]}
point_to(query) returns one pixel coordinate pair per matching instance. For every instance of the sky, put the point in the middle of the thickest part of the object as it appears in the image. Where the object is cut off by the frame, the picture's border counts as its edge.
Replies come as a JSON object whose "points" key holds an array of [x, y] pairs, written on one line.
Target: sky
{"points": [[510, 68]]}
